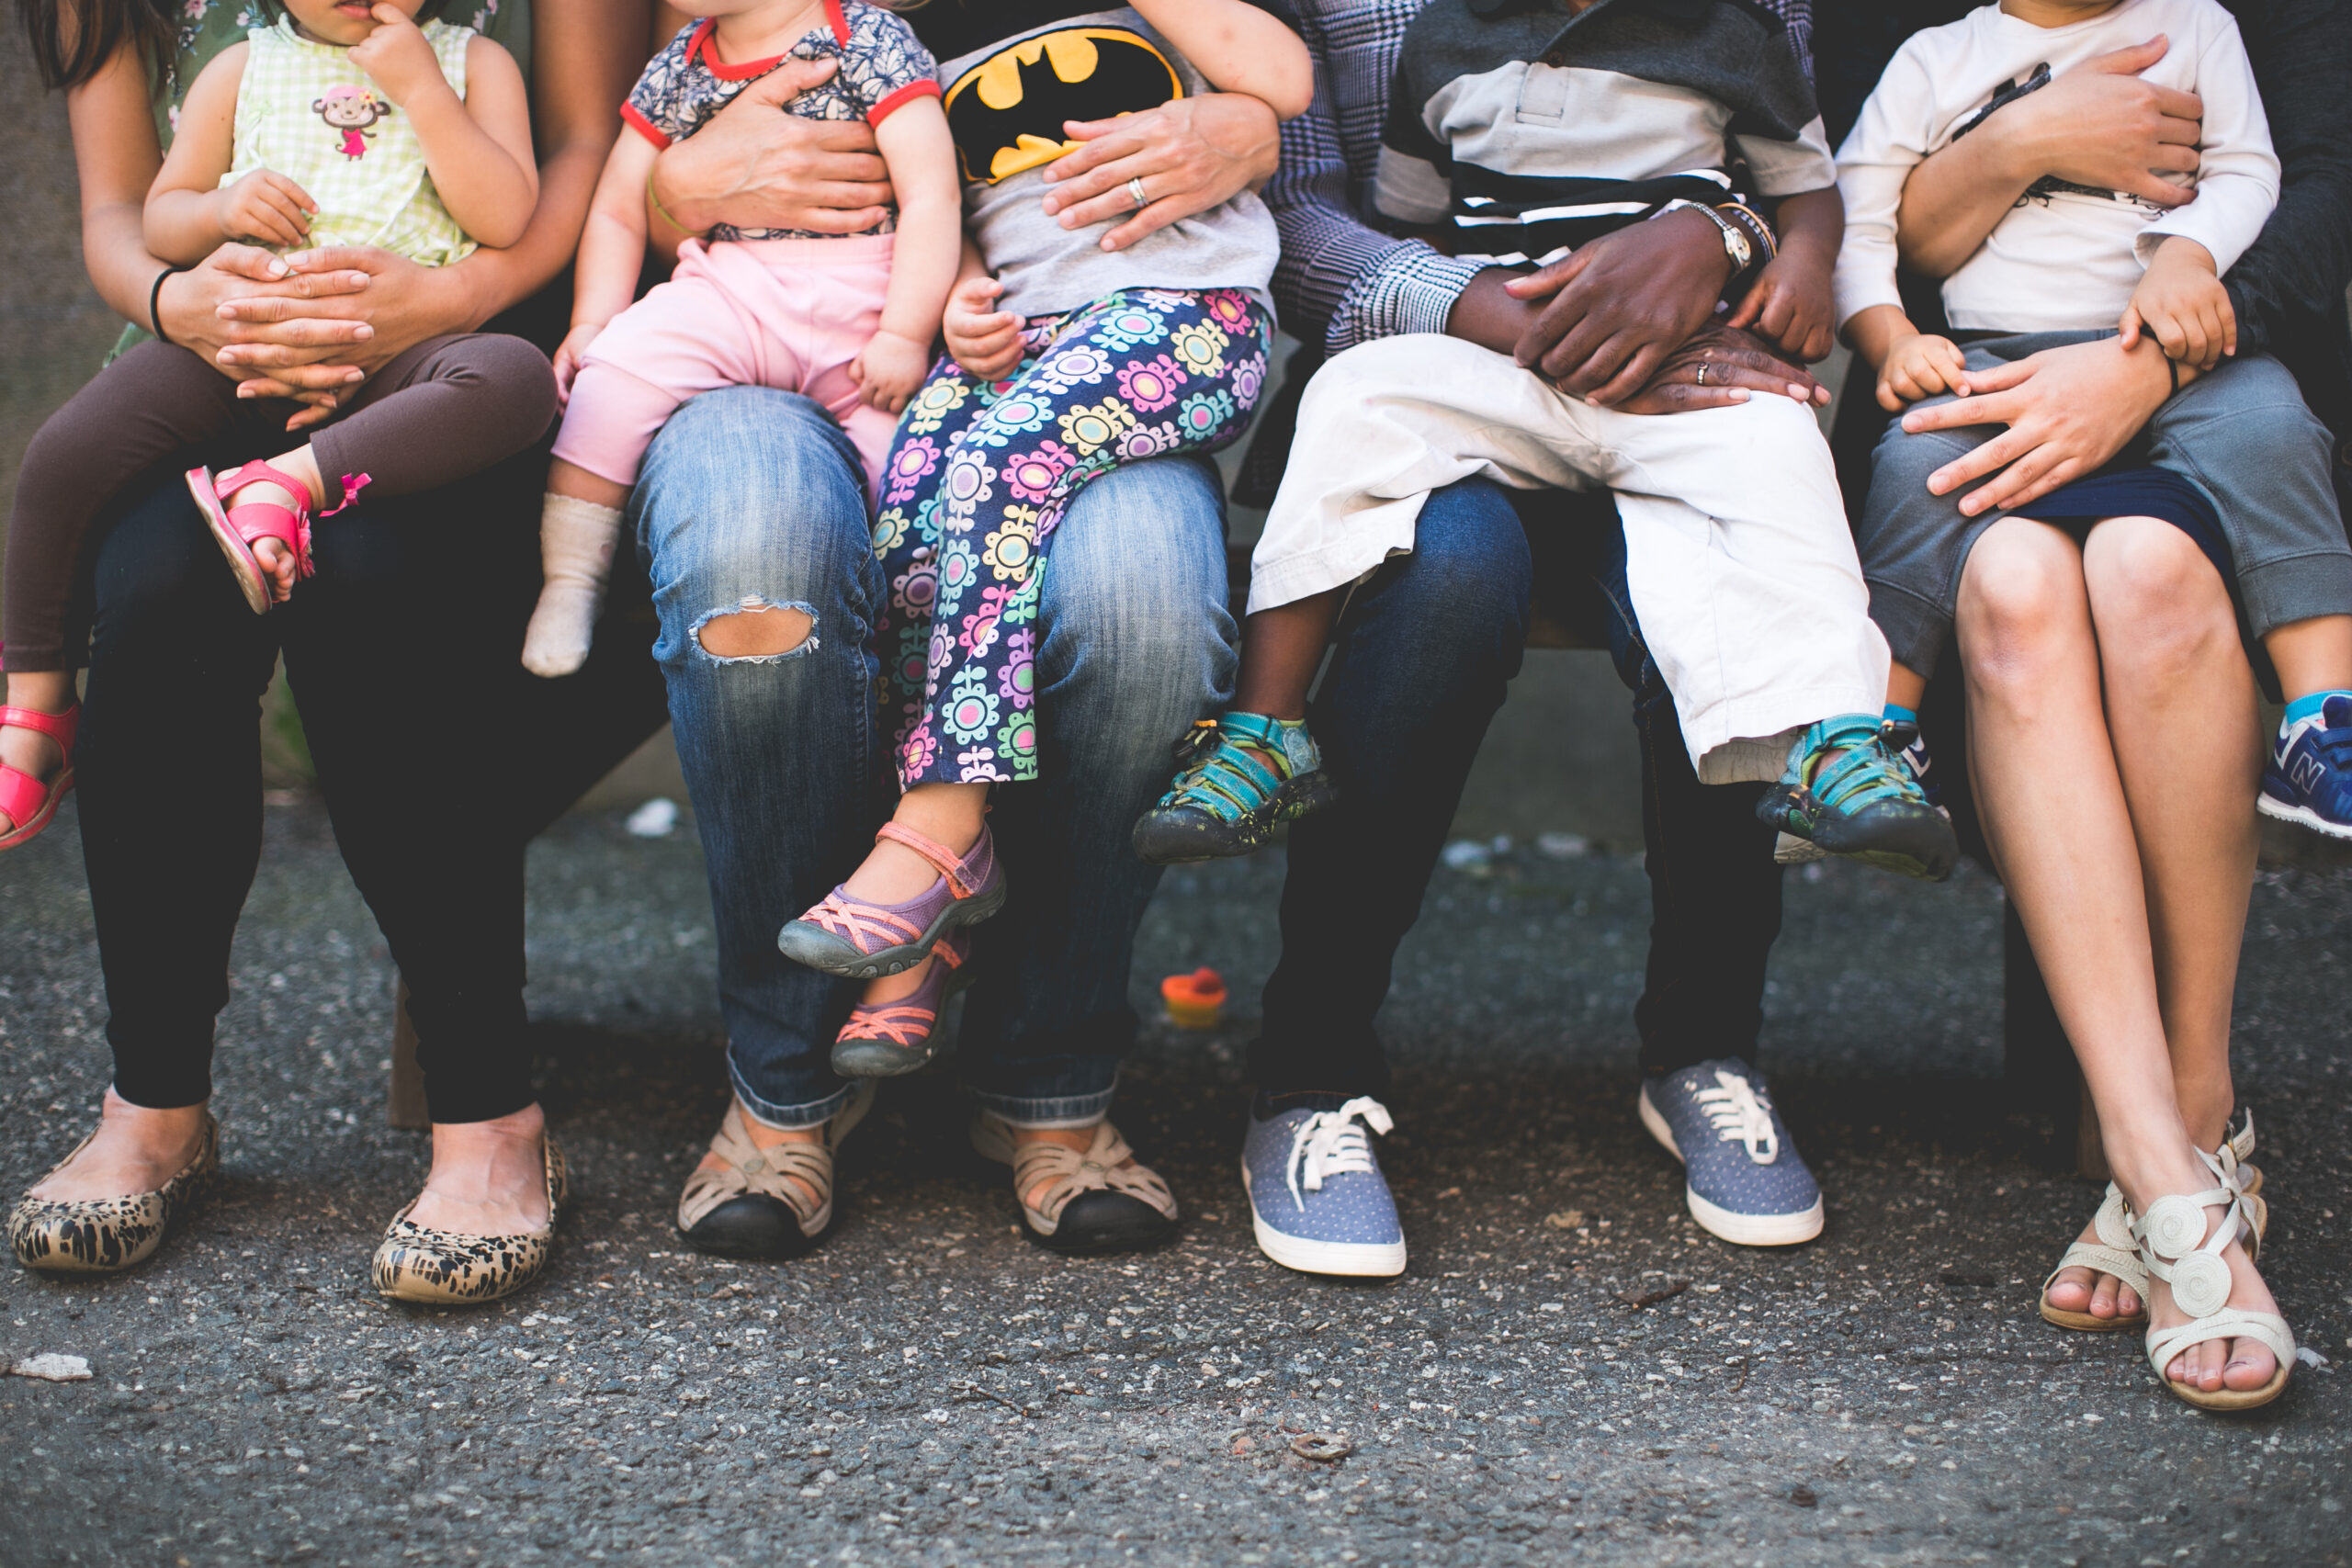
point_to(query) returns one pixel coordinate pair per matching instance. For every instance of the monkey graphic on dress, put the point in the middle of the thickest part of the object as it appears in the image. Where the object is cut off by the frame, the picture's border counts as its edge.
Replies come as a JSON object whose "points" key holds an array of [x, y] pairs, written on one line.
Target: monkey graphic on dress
{"points": [[351, 110]]}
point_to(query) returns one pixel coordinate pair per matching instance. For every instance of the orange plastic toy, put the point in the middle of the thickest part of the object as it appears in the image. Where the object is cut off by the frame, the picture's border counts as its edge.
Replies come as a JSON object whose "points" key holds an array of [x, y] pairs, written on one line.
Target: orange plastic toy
{"points": [[1195, 1000]]}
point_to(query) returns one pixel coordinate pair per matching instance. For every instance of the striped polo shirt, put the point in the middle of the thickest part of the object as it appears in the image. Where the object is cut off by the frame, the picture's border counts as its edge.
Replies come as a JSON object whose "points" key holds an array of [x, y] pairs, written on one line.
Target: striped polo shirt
{"points": [[1526, 129]]}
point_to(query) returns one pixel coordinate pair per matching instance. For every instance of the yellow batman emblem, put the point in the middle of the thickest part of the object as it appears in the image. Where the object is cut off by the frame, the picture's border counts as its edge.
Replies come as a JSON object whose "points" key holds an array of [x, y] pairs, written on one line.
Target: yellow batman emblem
{"points": [[1007, 112]]}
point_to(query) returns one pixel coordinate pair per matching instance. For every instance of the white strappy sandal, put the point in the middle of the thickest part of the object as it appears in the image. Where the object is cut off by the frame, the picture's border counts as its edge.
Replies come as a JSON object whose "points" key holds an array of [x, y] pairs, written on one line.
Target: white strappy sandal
{"points": [[2175, 1248], [2117, 1253]]}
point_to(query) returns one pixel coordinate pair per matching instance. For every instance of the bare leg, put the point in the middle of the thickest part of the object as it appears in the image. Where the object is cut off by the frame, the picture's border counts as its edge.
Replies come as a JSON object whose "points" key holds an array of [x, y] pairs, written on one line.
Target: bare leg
{"points": [[569, 479], [1281, 649], [136, 1150], [2311, 656], [1905, 686], [277, 557], [488, 1178], [2056, 818], [29, 750]]}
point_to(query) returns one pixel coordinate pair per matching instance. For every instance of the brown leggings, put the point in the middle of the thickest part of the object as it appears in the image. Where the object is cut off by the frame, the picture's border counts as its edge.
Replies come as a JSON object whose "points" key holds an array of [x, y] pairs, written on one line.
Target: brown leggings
{"points": [[444, 410]]}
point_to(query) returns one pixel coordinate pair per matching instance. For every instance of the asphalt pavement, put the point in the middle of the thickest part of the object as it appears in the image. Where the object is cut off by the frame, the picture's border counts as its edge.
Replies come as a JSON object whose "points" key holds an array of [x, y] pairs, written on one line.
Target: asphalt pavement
{"points": [[1569, 1370]]}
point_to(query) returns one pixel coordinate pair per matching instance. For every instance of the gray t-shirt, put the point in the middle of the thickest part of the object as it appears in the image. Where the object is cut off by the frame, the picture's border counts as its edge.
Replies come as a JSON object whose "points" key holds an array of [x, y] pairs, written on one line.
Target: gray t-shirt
{"points": [[1006, 105]]}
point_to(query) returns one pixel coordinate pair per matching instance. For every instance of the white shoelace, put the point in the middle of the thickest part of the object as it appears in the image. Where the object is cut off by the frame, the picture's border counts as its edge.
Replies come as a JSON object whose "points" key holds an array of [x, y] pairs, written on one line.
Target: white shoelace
{"points": [[1331, 1142], [1740, 1117]]}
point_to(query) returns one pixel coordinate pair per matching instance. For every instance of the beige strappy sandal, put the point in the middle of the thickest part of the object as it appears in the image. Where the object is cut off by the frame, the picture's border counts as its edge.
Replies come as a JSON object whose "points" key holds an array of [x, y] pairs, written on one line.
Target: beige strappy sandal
{"points": [[1095, 1201], [2117, 1253], [770, 1203], [2175, 1248]]}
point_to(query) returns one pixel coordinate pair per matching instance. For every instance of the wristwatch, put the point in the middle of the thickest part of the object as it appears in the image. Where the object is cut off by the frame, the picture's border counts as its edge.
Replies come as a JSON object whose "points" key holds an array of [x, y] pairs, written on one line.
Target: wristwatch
{"points": [[1736, 243]]}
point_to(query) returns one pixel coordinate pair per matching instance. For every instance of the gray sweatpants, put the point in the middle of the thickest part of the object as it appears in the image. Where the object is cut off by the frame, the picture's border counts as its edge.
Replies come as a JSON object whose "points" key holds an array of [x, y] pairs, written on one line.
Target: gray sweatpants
{"points": [[2241, 435]]}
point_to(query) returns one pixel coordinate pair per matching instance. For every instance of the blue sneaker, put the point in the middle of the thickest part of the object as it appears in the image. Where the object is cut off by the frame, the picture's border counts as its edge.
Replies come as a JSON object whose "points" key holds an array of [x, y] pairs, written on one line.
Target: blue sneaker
{"points": [[1316, 1196], [2309, 779], [1748, 1184]]}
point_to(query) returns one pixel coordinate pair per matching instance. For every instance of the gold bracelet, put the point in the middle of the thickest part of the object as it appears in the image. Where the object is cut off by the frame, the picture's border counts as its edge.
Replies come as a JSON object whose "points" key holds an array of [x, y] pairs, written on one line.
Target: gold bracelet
{"points": [[653, 199]]}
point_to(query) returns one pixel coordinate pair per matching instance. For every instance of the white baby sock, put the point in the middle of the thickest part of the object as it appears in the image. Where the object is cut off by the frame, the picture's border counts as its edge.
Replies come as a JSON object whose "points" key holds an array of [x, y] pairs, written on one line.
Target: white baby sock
{"points": [[576, 543]]}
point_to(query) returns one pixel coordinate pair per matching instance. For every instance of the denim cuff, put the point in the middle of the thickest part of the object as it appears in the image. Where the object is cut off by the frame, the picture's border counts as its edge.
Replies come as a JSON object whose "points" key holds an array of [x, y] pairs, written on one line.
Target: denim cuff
{"points": [[1037, 1114], [789, 1118]]}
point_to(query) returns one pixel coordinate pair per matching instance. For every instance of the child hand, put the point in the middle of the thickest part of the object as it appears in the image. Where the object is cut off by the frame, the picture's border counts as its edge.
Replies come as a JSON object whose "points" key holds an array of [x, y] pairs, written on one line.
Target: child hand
{"points": [[398, 57], [1789, 303], [1919, 367], [889, 370], [986, 343], [267, 207], [2182, 303], [570, 356]]}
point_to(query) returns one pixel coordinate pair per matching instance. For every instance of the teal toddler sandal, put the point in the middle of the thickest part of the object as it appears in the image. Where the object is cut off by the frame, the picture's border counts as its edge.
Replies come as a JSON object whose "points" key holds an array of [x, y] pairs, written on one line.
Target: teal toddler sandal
{"points": [[1847, 791], [1228, 799]]}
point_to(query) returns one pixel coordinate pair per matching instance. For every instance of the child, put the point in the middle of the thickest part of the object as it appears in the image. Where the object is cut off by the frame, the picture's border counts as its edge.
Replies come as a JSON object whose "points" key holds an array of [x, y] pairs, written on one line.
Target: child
{"points": [[846, 321], [1529, 133], [340, 125], [1069, 359], [2232, 458]]}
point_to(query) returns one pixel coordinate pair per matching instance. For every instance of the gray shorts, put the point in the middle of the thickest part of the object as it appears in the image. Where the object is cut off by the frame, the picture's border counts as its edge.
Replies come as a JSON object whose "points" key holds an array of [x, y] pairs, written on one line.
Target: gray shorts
{"points": [[2241, 435]]}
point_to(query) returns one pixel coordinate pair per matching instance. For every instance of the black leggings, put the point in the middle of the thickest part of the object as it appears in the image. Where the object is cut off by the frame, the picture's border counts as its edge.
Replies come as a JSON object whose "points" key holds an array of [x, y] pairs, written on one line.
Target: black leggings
{"points": [[437, 755]]}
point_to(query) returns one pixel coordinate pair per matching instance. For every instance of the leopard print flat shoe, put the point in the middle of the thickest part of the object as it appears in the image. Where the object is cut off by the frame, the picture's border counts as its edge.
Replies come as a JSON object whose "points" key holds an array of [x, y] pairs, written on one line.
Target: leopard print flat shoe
{"points": [[451, 1268], [107, 1236]]}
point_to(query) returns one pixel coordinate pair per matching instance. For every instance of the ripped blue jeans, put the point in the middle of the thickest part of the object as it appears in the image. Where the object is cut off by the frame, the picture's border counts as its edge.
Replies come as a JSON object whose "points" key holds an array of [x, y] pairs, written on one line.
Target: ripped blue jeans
{"points": [[751, 498]]}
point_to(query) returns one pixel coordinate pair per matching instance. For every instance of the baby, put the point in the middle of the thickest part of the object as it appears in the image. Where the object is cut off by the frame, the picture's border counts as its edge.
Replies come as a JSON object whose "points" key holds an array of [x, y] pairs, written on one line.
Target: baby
{"points": [[847, 322], [342, 125], [1069, 359], [2232, 458], [1524, 134]]}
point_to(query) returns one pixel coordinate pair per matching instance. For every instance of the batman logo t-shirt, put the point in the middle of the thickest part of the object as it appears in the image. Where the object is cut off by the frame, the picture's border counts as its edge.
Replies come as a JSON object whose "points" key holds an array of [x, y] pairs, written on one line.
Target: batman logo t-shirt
{"points": [[1008, 99]]}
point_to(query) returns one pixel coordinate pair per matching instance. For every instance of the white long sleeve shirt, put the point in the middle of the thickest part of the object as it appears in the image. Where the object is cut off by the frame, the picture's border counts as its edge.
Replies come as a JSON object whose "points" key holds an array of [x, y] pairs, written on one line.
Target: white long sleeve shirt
{"points": [[2064, 258]]}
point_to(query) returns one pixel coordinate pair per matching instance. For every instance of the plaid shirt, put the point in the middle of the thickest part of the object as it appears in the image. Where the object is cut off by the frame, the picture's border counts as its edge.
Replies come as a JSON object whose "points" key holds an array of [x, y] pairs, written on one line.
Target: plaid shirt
{"points": [[1341, 280]]}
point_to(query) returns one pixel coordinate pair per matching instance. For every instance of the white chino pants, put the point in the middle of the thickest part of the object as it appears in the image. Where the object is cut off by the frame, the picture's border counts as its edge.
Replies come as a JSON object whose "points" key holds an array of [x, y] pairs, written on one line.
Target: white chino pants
{"points": [[1742, 572]]}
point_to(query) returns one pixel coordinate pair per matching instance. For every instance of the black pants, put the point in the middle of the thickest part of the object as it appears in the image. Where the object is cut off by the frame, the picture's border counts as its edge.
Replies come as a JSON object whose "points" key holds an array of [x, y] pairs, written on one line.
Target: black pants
{"points": [[1424, 658], [438, 757]]}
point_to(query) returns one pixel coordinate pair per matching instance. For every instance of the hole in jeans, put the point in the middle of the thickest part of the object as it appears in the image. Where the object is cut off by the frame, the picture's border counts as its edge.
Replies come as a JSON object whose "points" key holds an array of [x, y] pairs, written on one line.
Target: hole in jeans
{"points": [[758, 631]]}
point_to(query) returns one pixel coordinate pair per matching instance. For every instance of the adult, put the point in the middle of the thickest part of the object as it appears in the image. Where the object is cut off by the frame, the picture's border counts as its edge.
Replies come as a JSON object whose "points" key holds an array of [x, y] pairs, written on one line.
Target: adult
{"points": [[435, 753], [2129, 847], [751, 521], [1424, 654]]}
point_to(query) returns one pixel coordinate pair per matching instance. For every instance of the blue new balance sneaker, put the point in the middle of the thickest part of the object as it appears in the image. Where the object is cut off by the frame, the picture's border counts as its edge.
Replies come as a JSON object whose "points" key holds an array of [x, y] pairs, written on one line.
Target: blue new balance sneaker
{"points": [[1316, 1196], [1748, 1184], [2309, 779]]}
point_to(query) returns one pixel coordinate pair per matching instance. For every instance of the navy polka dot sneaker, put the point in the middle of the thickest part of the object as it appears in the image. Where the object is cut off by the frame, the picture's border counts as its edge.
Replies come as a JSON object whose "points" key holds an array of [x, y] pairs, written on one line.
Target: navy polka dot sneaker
{"points": [[1316, 1196], [1748, 1183]]}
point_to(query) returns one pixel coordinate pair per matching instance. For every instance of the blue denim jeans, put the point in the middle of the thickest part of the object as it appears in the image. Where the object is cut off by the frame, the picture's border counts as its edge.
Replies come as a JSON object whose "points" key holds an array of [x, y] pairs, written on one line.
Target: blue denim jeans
{"points": [[1425, 654], [750, 498]]}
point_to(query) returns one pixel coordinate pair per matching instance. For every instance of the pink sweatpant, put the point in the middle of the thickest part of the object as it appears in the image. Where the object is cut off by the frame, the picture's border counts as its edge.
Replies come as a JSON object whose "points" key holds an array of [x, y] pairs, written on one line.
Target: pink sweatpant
{"points": [[784, 313]]}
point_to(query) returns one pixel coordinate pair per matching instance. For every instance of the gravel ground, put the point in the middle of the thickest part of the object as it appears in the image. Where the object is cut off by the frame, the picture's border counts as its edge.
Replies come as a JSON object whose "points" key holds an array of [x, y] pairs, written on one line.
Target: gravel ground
{"points": [[930, 1386]]}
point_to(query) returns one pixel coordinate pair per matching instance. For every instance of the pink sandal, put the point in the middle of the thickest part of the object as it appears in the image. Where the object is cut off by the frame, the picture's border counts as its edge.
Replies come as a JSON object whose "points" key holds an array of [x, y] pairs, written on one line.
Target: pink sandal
{"points": [[234, 528], [27, 802], [882, 1040]]}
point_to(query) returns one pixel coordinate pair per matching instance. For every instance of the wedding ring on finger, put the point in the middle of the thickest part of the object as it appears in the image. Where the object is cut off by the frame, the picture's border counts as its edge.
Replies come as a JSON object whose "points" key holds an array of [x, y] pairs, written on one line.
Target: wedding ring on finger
{"points": [[1134, 188]]}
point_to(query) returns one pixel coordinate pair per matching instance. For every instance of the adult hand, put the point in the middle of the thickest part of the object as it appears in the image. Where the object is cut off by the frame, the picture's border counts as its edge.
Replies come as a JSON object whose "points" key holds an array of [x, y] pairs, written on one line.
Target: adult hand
{"points": [[1191, 154], [1735, 364], [242, 298], [2068, 412], [1621, 305], [2101, 124], [318, 347], [757, 167]]}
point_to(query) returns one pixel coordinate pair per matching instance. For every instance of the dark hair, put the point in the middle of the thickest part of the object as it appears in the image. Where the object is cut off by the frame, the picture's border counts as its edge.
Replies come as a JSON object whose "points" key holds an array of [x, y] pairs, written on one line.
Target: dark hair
{"points": [[72, 39]]}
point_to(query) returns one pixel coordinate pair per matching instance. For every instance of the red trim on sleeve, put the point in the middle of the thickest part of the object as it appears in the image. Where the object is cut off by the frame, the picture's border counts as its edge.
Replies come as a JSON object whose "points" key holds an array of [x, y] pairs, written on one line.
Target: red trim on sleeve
{"points": [[926, 89], [635, 119], [841, 22], [705, 44]]}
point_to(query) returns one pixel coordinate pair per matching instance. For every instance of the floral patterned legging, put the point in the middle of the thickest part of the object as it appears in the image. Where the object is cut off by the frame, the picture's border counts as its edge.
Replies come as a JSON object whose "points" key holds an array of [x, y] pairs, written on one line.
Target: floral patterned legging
{"points": [[978, 474]]}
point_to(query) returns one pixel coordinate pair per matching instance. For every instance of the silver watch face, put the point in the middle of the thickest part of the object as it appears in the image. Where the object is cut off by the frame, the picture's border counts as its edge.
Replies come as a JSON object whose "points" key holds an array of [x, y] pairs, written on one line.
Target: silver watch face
{"points": [[1736, 243]]}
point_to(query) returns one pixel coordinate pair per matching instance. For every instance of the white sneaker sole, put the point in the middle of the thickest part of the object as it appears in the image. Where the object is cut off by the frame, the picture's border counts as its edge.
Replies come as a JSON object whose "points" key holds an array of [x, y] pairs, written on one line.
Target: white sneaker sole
{"points": [[2303, 816], [1378, 1261], [1741, 1230]]}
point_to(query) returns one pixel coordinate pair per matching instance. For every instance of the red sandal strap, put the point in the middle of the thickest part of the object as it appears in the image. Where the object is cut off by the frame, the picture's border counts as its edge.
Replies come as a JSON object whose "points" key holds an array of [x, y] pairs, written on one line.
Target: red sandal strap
{"points": [[58, 727], [268, 519], [22, 797], [949, 863]]}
